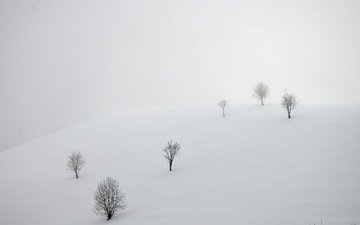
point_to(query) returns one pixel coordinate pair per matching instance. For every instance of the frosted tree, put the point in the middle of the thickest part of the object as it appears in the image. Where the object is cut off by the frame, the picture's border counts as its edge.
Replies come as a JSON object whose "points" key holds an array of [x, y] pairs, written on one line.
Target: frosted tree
{"points": [[108, 198], [288, 102], [171, 150], [261, 91], [223, 104], [76, 162]]}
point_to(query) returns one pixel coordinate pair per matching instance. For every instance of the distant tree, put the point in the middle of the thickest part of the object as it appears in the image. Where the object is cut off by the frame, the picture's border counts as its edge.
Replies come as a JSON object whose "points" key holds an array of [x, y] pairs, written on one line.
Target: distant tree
{"points": [[223, 104], [261, 91], [288, 102], [108, 198], [76, 162], [171, 150]]}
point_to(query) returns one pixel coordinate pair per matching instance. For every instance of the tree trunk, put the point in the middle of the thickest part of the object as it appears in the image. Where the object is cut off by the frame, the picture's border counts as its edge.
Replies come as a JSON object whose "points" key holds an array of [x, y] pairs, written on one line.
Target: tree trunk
{"points": [[76, 174], [289, 115], [109, 215], [223, 112], [170, 164], [262, 101]]}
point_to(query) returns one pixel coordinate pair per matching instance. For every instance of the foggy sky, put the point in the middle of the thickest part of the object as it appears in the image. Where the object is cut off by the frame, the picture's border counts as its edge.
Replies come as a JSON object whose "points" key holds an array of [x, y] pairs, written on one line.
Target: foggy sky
{"points": [[61, 61]]}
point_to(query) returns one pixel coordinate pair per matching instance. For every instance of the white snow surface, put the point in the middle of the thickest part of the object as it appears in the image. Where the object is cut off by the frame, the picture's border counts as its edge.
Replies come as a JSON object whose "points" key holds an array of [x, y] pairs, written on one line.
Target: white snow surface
{"points": [[253, 167]]}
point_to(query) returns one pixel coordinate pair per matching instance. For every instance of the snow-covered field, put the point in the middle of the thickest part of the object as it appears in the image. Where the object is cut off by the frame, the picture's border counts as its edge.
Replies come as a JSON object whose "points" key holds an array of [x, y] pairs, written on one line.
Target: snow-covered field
{"points": [[254, 167]]}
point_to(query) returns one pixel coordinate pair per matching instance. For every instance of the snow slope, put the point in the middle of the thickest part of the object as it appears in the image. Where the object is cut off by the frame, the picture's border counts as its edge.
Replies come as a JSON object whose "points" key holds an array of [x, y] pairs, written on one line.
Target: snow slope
{"points": [[254, 167]]}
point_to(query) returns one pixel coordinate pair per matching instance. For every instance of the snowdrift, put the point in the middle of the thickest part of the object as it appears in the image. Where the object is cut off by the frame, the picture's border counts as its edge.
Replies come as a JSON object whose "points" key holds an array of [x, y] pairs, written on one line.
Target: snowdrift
{"points": [[253, 167]]}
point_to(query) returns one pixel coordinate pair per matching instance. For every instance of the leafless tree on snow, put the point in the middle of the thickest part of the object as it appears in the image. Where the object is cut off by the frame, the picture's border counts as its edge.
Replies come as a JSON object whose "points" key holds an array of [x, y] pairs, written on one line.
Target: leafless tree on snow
{"points": [[261, 91], [223, 104], [108, 198], [171, 150], [76, 162], [288, 102]]}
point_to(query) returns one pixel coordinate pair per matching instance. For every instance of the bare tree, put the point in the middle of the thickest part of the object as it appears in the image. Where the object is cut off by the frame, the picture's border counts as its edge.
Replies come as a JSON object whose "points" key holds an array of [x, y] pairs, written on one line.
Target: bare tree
{"points": [[261, 91], [108, 198], [171, 150], [223, 104], [288, 102], [76, 162]]}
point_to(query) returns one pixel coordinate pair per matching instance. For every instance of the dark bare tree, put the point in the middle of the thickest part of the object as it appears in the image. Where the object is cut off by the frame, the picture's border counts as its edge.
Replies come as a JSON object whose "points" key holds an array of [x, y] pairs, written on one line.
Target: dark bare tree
{"points": [[261, 91], [76, 162], [171, 150], [223, 104], [288, 102], [108, 198]]}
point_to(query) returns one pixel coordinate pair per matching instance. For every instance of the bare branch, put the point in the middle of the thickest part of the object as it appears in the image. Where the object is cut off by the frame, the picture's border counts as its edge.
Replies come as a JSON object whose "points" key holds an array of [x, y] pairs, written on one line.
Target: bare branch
{"points": [[223, 104], [288, 102], [261, 91], [171, 150], [108, 198], [76, 162]]}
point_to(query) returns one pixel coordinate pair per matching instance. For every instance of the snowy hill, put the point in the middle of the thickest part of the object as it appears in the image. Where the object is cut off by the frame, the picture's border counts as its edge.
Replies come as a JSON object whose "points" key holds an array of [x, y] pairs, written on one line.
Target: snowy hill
{"points": [[253, 167]]}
